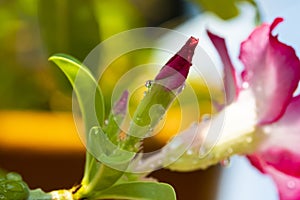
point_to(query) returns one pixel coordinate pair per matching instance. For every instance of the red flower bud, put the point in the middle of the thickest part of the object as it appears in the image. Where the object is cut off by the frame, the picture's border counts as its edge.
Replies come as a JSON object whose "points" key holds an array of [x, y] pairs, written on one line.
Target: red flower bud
{"points": [[174, 73]]}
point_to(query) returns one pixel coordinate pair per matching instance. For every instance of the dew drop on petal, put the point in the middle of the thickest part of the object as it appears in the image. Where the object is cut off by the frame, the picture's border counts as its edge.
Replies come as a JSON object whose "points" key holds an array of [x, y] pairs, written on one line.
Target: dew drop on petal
{"points": [[245, 85], [159, 162], [152, 166], [230, 150], [195, 162], [202, 151], [291, 184], [172, 159], [206, 117], [249, 140], [267, 130], [189, 152], [225, 162]]}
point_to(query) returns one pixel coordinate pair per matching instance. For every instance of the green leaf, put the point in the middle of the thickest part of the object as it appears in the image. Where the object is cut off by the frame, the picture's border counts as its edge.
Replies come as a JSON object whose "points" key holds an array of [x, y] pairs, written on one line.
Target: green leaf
{"points": [[89, 96], [139, 191], [97, 176], [13, 188], [39, 194], [85, 86]]}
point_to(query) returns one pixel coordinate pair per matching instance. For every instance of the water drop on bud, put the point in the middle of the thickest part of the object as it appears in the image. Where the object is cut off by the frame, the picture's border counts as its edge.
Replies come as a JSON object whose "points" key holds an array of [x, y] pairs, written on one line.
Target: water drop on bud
{"points": [[148, 83]]}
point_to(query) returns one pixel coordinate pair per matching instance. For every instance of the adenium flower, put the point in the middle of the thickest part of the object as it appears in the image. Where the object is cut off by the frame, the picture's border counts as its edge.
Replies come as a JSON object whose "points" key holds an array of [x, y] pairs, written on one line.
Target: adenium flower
{"points": [[271, 75], [260, 117]]}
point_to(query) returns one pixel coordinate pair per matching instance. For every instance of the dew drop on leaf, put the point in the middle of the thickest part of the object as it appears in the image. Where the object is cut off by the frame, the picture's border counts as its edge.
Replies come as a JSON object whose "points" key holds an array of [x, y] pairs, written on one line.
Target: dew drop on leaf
{"points": [[189, 152], [202, 151], [249, 140], [230, 150], [148, 83]]}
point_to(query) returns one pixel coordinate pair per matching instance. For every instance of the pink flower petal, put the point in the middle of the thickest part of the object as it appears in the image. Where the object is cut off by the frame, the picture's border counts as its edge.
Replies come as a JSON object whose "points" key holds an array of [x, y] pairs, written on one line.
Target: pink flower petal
{"points": [[281, 149], [230, 82], [288, 186], [272, 70], [279, 154]]}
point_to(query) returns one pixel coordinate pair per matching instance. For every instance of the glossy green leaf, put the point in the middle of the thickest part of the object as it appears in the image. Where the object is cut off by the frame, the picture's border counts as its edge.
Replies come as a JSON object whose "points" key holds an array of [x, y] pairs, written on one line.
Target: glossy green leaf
{"points": [[89, 96], [139, 191], [39, 194], [97, 176], [86, 88], [13, 188]]}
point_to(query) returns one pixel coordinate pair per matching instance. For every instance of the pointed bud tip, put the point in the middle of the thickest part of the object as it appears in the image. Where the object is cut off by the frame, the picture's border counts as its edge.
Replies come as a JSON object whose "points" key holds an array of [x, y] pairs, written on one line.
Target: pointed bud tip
{"points": [[192, 42], [187, 51]]}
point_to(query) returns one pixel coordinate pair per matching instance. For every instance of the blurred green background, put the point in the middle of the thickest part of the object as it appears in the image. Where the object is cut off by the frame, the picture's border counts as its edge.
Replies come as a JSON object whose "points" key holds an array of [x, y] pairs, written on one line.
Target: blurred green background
{"points": [[32, 30]]}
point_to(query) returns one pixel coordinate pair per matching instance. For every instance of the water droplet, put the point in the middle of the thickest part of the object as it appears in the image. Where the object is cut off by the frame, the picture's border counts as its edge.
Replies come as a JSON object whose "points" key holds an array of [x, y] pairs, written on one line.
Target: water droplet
{"points": [[225, 162], [148, 83], [206, 117], [245, 85], [202, 151], [195, 162], [172, 159], [230, 150], [189, 152], [249, 140], [106, 122], [267, 130], [159, 162], [291, 184], [152, 166], [174, 144]]}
